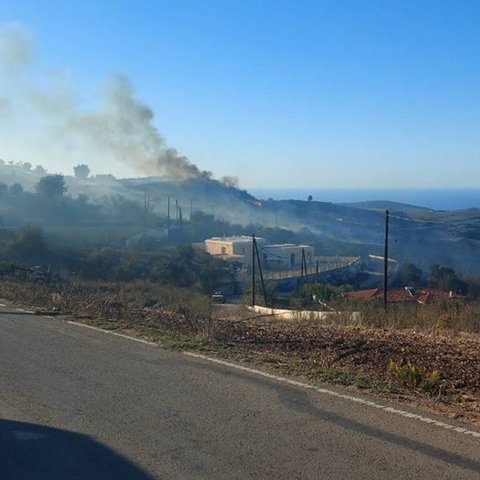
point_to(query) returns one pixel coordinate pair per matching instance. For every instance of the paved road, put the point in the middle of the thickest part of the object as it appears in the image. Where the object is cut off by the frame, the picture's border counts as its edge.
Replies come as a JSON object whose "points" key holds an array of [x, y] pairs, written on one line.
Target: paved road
{"points": [[77, 403]]}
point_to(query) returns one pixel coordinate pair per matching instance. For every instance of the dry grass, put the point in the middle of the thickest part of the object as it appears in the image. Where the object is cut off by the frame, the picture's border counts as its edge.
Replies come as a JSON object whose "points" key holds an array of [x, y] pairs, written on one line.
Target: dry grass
{"points": [[423, 351], [438, 318]]}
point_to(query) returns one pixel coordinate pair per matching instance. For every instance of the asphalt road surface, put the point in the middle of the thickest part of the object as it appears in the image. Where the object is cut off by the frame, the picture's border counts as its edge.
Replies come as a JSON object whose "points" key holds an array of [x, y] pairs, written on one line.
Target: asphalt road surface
{"points": [[76, 403]]}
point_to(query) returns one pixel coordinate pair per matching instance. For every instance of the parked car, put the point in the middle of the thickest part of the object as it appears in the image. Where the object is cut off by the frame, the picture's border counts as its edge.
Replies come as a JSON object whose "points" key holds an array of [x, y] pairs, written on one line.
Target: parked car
{"points": [[217, 297]]}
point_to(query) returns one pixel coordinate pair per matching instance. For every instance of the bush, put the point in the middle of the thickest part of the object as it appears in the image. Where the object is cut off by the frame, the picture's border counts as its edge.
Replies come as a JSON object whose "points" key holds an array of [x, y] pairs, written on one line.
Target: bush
{"points": [[27, 245], [413, 377]]}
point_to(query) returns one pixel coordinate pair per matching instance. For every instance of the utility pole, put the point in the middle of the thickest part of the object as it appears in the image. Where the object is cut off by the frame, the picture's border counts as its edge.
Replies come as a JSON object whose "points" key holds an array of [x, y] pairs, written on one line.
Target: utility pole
{"points": [[168, 215], [385, 263], [261, 274], [253, 270], [304, 267]]}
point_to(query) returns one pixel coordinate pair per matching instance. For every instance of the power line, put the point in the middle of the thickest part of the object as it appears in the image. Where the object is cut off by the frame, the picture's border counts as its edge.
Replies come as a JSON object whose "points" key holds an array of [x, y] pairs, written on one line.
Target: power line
{"points": [[415, 220]]}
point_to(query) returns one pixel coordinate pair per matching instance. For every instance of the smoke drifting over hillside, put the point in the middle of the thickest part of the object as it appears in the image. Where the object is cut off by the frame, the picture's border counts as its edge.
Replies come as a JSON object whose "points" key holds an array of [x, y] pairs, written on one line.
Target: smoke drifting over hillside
{"points": [[42, 120]]}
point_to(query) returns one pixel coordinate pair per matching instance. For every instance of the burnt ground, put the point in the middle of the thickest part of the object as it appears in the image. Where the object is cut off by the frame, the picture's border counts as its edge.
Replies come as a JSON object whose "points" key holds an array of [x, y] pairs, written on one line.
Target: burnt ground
{"points": [[356, 356], [362, 356]]}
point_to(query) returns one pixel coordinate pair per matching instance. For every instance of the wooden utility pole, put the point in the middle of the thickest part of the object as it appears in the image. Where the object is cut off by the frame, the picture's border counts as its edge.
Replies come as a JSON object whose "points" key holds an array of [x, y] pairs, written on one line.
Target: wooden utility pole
{"points": [[261, 274], [168, 214], [304, 267], [253, 270], [385, 263]]}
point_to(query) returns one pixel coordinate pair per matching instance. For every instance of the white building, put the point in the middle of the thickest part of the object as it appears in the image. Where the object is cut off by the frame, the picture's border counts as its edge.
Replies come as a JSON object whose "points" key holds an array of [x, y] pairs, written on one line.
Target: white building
{"points": [[283, 256]]}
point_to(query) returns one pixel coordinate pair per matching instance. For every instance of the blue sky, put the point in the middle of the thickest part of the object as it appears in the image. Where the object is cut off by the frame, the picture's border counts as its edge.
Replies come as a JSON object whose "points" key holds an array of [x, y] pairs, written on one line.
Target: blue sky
{"points": [[285, 93]]}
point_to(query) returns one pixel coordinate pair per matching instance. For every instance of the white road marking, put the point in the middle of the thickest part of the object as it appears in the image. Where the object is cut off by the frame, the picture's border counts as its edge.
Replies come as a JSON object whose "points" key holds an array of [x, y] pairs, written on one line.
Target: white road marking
{"points": [[111, 332], [296, 383], [332, 393]]}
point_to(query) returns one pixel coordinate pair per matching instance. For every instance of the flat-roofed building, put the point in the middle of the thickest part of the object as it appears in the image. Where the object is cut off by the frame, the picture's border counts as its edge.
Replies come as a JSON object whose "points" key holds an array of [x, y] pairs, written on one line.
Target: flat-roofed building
{"points": [[282, 256], [236, 248]]}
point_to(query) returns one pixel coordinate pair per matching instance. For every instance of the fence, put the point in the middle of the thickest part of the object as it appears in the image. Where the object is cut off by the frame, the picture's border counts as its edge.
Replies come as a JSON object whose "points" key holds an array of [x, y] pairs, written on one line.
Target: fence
{"points": [[325, 264]]}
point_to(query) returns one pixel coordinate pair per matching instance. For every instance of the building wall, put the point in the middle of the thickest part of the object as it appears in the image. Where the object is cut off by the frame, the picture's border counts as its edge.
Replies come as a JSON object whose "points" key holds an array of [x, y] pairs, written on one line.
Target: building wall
{"points": [[216, 247], [241, 249], [275, 257], [288, 256]]}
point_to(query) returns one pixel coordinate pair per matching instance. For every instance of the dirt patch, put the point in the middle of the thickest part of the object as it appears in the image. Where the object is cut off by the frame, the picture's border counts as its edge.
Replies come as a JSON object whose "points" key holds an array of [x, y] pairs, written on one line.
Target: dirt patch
{"points": [[368, 353]]}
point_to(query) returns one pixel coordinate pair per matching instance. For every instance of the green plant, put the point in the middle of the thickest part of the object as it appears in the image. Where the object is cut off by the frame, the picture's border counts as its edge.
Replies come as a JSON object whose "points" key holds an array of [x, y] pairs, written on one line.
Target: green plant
{"points": [[414, 377]]}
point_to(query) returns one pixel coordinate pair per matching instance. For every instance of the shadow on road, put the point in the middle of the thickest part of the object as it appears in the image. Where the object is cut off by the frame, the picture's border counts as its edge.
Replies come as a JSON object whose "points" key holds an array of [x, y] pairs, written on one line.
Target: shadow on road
{"points": [[29, 451], [297, 399], [293, 398]]}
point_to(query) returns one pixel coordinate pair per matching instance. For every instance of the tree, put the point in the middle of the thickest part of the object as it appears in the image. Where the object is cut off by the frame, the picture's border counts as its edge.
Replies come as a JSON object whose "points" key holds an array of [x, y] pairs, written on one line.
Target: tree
{"points": [[51, 186], [27, 245], [410, 274], [81, 171], [15, 190], [445, 278], [321, 291], [39, 170]]}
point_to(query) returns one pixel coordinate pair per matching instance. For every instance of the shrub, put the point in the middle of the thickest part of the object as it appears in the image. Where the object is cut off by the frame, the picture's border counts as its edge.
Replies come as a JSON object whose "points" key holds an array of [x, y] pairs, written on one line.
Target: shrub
{"points": [[444, 321], [414, 377]]}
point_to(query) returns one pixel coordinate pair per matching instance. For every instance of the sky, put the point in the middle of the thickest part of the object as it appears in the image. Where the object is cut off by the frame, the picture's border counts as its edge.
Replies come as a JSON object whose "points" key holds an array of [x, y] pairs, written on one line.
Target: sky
{"points": [[278, 93]]}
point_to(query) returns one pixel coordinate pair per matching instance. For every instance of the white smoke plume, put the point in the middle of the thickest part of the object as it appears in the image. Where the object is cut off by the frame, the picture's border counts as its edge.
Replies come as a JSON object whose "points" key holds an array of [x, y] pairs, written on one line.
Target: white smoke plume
{"points": [[41, 117]]}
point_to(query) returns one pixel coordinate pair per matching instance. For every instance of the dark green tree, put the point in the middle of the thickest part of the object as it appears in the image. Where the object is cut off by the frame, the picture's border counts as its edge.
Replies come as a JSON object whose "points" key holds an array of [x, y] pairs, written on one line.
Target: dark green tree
{"points": [[27, 246], [410, 274], [15, 190], [81, 171], [445, 278], [51, 186]]}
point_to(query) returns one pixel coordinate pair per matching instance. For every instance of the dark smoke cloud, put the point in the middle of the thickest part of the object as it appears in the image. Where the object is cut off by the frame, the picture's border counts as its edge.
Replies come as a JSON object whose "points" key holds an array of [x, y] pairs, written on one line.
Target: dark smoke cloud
{"points": [[123, 127], [48, 121]]}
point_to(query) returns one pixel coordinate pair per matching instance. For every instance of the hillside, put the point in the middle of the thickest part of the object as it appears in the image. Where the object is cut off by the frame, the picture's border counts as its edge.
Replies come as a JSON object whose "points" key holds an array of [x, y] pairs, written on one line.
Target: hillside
{"points": [[418, 235]]}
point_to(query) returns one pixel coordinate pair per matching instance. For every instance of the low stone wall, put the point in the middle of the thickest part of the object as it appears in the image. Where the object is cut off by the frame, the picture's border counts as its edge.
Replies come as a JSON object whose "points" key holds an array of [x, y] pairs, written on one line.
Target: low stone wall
{"points": [[302, 314]]}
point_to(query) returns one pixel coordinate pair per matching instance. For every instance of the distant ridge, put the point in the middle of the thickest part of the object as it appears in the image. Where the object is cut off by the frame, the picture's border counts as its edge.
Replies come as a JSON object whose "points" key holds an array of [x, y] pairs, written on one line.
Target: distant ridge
{"points": [[386, 204]]}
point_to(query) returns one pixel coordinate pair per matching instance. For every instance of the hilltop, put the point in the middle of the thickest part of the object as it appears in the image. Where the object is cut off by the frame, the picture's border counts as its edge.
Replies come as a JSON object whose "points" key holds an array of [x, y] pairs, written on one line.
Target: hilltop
{"points": [[417, 234]]}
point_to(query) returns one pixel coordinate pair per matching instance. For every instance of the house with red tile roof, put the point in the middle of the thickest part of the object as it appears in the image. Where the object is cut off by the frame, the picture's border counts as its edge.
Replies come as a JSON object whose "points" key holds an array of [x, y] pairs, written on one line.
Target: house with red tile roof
{"points": [[405, 295]]}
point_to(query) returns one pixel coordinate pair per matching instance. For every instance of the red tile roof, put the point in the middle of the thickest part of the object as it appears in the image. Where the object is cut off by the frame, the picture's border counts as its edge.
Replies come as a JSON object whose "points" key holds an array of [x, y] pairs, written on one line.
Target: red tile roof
{"points": [[396, 295], [363, 294]]}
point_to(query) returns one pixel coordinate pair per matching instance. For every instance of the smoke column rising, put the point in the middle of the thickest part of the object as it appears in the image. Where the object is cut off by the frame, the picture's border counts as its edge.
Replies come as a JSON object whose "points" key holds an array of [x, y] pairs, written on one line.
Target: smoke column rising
{"points": [[41, 118]]}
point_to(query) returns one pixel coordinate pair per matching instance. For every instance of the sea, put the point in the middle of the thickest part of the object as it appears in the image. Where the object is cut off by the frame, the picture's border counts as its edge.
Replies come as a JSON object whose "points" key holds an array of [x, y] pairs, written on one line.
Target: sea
{"points": [[433, 198]]}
